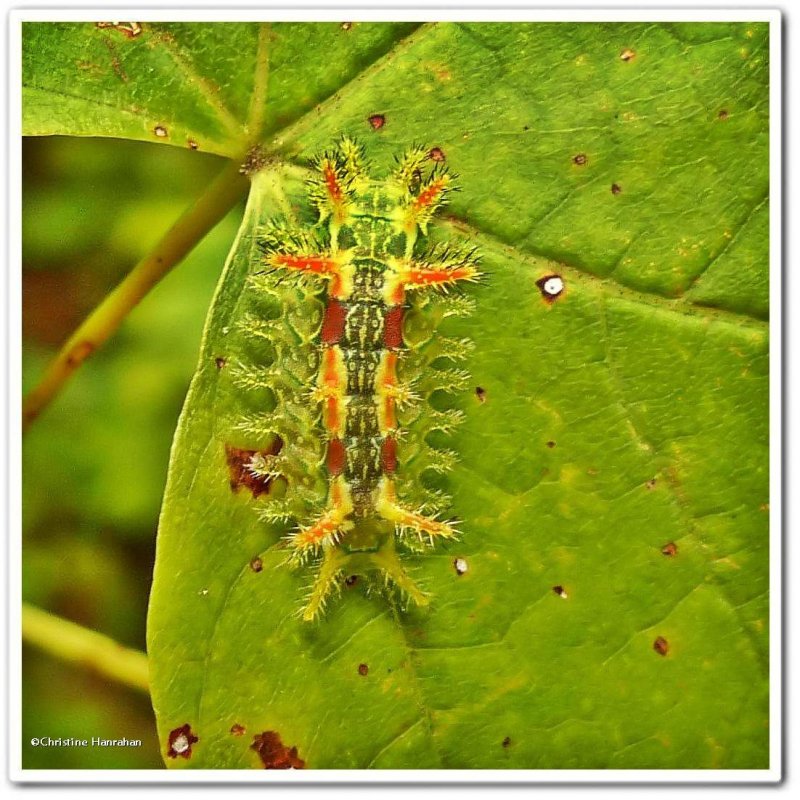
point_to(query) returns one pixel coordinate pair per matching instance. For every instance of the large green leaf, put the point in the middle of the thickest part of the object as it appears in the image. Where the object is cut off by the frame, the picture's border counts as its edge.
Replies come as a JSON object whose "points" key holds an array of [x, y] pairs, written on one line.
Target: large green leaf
{"points": [[628, 415], [186, 84]]}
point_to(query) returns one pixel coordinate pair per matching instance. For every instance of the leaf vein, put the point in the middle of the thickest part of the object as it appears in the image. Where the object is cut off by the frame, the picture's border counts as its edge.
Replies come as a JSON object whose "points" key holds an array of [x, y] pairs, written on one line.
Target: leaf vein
{"points": [[209, 92]]}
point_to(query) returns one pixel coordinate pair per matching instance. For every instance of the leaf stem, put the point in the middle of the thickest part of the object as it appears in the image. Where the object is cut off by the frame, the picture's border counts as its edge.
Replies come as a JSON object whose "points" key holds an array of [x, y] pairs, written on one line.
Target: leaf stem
{"points": [[104, 320], [75, 644]]}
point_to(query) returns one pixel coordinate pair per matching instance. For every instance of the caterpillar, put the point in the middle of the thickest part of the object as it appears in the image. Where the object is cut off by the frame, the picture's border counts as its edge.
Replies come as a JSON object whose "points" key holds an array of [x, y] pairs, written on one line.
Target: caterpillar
{"points": [[364, 261]]}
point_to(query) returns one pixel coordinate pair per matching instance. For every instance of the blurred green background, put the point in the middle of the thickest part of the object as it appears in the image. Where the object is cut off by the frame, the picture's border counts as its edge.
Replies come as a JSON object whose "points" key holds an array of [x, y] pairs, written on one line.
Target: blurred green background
{"points": [[94, 464]]}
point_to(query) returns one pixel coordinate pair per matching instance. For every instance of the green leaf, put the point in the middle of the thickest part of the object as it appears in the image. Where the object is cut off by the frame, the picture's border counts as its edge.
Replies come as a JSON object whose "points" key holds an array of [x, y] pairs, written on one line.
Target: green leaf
{"points": [[612, 479], [186, 84]]}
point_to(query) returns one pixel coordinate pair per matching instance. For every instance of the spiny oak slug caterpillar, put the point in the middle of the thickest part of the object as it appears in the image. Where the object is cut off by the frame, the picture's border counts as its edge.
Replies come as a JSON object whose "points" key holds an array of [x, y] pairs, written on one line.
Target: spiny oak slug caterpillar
{"points": [[352, 389]]}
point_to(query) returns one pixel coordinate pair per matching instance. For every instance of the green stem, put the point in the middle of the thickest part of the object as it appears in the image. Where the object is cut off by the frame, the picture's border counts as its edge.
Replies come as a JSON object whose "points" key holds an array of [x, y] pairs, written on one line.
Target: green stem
{"points": [[180, 239], [78, 645]]}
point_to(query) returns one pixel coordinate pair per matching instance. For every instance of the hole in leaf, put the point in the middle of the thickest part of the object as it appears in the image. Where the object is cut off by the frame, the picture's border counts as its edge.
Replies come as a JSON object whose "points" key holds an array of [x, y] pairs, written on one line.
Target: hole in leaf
{"points": [[460, 565], [627, 54], [237, 729], [551, 287], [436, 154], [129, 29], [670, 549], [581, 159], [661, 646], [160, 131], [616, 188], [480, 393], [180, 742], [363, 669], [561, 592]]}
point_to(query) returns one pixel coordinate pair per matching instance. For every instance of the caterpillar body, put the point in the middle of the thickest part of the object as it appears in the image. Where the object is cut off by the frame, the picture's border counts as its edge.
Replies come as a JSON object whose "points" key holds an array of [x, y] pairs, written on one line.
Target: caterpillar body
{"points": [[363, 260]]}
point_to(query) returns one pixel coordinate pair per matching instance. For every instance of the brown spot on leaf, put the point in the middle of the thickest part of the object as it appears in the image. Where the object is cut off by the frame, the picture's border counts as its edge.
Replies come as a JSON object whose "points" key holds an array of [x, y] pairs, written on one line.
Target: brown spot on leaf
{"points": [[377, 121], [723, 114], [161, 132], [256, 564], [627, 54], [661, 646], [436, 154], [670, 549], [116, 64], [561, 592], [363, 669], [346, 26], [91, 67], [581, 159], [180, 742], [220, 362], [192, 144], [651, 484], [616, 188], [507, 741], [480, 393], [274, 754], [240, 467], [237, 729], [551, 444]]}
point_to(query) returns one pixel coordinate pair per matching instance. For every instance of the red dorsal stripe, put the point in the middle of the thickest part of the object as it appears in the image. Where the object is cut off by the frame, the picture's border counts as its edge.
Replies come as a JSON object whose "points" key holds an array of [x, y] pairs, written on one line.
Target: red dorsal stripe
{"points": [[332, 183], [333, 322], [393, 327], [335, 459], [389, 455]]}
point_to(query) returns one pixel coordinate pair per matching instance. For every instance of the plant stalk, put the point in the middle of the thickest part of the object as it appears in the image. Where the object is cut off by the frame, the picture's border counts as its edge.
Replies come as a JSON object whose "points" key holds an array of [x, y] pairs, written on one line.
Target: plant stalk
{"points": [[105, 319], [75, 644]]}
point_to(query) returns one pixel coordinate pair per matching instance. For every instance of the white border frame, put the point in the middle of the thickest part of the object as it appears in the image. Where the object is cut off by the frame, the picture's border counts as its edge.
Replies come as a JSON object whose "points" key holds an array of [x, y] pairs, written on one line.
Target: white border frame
{"points": [[446, 11]]}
